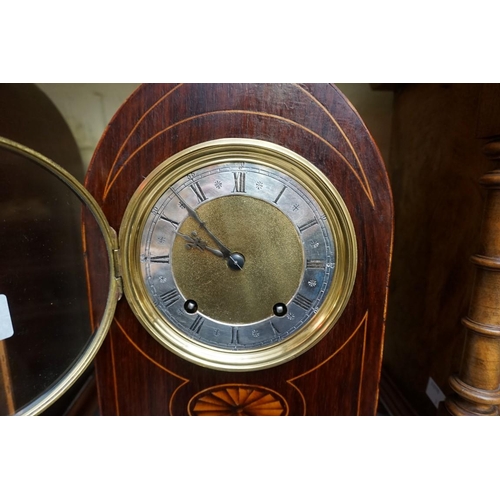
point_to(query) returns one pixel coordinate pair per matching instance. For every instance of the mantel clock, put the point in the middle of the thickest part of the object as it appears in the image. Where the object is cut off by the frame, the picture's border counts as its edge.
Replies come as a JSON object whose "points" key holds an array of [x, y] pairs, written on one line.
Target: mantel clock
{"points": [[252, 249]]}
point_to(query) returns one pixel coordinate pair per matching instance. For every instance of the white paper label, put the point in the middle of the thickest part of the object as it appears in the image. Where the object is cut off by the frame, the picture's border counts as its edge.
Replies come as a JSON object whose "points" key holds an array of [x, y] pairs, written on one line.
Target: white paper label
{"points": [[434, 392], [6, 329]]}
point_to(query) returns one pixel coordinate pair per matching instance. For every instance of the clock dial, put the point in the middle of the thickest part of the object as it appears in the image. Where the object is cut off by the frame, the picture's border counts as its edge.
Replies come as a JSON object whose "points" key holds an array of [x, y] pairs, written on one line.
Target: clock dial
{"points": [[238, 254], [274, 275]]}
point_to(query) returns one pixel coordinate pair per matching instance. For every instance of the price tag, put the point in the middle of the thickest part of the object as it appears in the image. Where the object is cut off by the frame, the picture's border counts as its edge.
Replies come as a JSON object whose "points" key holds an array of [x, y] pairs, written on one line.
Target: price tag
{"points": [[6, 329]]}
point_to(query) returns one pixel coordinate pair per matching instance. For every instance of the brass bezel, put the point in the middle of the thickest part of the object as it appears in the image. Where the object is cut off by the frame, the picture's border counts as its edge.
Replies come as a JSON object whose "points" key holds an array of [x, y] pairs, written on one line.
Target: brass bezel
{"points": [[55, 391], [237, 150]]}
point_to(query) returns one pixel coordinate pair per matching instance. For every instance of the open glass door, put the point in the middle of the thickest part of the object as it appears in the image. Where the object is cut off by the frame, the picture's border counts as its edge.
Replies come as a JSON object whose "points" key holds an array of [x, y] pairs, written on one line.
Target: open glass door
{"points": [[49, 332]]}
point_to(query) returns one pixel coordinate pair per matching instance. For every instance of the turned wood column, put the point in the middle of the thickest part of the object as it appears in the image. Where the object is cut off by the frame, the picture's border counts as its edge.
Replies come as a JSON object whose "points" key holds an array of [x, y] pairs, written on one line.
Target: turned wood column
{"points": [[477, 385]]}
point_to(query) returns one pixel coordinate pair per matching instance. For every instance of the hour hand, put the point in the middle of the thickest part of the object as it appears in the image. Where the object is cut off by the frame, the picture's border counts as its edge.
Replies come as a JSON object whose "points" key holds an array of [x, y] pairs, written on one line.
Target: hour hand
{"points": [[194, 241]]}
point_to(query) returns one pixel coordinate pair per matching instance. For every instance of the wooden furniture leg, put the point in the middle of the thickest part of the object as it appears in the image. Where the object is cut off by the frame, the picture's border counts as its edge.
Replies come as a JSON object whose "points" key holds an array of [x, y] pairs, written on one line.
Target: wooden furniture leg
{"points": [[477, 385], [7, 406]]}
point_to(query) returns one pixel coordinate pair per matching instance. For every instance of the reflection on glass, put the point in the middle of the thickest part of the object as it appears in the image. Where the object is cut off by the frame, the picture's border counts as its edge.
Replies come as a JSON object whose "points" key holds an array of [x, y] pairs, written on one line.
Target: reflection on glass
{"points": [[43, 274]]}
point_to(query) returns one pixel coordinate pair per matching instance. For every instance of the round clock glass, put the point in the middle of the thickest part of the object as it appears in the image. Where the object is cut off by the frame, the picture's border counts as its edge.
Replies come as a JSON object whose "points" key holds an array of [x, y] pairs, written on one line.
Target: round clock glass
{"points": [[237, 254]]}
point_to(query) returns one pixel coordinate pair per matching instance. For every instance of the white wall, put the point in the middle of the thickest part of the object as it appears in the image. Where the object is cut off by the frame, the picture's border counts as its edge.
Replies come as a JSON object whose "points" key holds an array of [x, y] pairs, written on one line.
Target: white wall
{"points": [[87, 108]]}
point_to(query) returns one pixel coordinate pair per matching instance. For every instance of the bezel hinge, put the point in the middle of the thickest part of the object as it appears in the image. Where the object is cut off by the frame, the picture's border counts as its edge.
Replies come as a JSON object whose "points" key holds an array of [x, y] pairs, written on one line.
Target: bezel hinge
{"points": [[117, 265]]}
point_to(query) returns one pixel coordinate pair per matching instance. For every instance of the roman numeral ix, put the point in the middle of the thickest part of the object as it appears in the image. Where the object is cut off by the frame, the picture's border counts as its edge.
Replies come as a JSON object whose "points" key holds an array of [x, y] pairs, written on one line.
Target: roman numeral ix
{"points": [[162, 259]]}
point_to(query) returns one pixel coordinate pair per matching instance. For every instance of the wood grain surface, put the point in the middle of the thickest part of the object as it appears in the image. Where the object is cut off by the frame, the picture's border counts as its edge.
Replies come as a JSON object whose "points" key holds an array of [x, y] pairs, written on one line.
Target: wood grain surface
{"points": [[339, 375], [477, 384], [434, 166]]}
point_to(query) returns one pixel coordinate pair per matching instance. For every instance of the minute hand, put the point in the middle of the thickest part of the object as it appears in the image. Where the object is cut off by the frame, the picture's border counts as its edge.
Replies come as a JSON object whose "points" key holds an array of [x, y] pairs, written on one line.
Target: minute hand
{"points": [[192, 212]]}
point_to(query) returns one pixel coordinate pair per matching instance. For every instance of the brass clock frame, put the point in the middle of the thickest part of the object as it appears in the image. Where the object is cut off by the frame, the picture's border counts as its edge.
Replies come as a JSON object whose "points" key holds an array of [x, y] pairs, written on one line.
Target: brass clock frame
{"points": [[237, 150]]}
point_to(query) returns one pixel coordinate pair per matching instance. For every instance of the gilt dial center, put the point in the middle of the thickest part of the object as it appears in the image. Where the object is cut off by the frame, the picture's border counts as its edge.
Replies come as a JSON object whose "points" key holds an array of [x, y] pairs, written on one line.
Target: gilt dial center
{"points": [[265, 265]]}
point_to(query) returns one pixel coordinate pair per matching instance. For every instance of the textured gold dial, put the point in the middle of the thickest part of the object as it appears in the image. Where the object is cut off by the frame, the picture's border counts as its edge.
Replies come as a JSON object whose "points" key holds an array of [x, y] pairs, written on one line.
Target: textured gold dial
{"points": [[238, 254], [274, 261]]}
